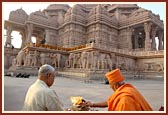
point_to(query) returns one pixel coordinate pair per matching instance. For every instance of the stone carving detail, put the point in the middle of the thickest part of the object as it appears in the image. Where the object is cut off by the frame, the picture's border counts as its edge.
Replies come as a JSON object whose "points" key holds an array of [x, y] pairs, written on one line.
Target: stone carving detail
{"points": [[34, 58], [89, 60], [20, 58], [153, 33], [161, 46], [42, 58], [77, 61], [95, 59], [139, 11], [56, 60], [122, 63], [158, 67], [8, 34], [71, 59], [14, 62], [84, 58], [31, 59], [101, 62], [129, 37], [30, 30], [27, 59], [19, 16], [109, 62], [147, 28], [153, 66]]}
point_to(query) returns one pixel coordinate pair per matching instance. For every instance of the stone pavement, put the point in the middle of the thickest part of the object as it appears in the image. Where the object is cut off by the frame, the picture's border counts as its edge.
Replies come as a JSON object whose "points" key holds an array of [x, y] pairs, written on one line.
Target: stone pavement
{"points": [[15, 90]]}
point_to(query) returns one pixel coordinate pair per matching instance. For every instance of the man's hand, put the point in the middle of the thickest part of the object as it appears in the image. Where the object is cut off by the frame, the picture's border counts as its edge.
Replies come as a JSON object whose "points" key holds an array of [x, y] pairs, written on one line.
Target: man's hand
{"points": [[87, 103]]}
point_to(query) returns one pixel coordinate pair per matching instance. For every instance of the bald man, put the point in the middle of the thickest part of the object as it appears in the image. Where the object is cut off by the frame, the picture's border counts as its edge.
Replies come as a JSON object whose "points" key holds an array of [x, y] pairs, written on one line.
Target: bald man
{"points": [[40, 97], [125, 96]]}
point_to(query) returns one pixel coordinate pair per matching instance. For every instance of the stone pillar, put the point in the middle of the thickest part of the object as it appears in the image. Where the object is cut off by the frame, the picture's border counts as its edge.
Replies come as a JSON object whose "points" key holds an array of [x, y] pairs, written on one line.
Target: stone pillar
{"points": [[23, 39], [154, 29], [8, 33], [6, 61], [47, 36], [50, 37], [38, 39], [135, 39], [129, 37], [147, 28], [160, 37], [163, 41], [29, 34]]}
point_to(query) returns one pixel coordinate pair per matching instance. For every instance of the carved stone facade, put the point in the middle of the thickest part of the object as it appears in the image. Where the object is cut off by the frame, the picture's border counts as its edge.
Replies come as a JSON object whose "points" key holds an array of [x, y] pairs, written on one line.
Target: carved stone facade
{"points": [[92, 37]]}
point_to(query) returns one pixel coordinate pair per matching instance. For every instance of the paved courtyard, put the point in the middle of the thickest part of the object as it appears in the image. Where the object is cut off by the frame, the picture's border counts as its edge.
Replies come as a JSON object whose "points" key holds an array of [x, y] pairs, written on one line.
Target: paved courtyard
{"points": [[15, 90]]}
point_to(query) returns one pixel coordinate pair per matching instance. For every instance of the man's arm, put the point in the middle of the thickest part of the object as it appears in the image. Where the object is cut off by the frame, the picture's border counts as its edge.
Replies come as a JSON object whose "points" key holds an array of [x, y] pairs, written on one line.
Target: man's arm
{"points": [[100, 104], [53, 103]]}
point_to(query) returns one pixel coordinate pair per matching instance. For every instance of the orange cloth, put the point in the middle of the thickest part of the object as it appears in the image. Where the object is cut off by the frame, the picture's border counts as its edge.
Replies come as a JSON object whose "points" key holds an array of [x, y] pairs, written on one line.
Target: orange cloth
{"points": [[127, 98], [114, 76]]}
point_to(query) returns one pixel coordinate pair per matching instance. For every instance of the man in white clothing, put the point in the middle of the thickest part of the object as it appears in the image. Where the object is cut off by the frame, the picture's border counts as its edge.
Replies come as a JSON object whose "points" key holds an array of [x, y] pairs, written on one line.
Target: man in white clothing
{"points": [[40, 97]]}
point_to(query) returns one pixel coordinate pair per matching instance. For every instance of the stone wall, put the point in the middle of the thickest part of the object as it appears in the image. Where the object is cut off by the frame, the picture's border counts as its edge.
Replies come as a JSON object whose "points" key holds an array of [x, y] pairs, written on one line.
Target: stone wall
{"points": [[122, 39], [154, 64]]}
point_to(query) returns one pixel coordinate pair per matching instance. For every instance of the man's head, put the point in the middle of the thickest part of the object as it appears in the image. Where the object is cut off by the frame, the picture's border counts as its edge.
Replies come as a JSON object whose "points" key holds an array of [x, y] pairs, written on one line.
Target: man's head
{"points": [[115, 78], [47, 73]]}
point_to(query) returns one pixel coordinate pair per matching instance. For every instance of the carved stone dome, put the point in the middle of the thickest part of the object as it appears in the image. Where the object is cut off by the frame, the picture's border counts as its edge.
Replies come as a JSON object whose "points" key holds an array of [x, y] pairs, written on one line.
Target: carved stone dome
{"points": [[99, 13], [38, 14], [19, 16], [38, 17], [140, 11], [121, 6], [58, 7], [76, 14]]}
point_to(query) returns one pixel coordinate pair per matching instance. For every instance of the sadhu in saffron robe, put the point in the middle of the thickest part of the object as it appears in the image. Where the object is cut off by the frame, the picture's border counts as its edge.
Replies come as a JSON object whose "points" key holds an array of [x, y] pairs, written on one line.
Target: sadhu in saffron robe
{"points": [[127, 98]]}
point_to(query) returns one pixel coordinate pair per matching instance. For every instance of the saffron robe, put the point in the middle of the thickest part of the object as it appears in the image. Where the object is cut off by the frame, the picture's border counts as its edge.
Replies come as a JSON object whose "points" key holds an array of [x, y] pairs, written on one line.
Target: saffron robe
{"points": [[127, 98]]}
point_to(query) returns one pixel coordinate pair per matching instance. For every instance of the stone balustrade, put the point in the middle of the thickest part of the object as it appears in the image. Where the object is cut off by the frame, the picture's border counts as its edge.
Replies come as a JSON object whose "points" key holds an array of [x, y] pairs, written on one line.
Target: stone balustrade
{"points": [[8, 50], [150, 53], [56, 47], [137, 53]]}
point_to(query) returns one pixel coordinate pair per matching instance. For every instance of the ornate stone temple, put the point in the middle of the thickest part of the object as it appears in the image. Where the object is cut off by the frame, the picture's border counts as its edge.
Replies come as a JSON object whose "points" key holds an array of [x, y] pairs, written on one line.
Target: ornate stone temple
{"points": [[87, 40]]}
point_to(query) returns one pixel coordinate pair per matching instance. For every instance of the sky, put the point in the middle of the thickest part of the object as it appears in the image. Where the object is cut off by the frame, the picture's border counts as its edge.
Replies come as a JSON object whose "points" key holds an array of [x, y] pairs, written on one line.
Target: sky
{"points": [[7, 7]]}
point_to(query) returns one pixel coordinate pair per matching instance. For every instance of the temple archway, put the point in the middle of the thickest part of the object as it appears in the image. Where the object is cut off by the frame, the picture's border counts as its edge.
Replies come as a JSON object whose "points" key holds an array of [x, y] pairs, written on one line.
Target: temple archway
{"points": [[34, 39], [16, 40], [157, 42]]}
